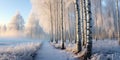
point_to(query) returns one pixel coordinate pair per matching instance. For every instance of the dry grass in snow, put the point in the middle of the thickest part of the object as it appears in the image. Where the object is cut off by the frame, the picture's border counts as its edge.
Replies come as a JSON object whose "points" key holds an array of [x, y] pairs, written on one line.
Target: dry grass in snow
{"points": [[23, 51]]}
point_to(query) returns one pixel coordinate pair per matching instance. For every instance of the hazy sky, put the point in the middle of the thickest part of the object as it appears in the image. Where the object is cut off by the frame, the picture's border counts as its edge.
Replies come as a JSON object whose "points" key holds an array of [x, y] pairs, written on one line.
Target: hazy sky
{"points": [[8, 9]]}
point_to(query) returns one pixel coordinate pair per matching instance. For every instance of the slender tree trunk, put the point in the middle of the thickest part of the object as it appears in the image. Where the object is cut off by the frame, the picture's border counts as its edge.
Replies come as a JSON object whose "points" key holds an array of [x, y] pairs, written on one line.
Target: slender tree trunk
{"points": [[101, 31], [59, 28], [117, 13], [82, 22], [75, 22], [57, 23], [78, 25], [96, 27], [69, 32], [89, 28], [62, 37], [51, 22], [64, 22], [55, 20], [64, 30]]}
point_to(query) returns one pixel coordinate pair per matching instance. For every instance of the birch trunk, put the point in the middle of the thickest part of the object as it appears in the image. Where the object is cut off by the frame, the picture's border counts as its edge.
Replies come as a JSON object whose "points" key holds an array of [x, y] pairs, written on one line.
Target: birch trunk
{"points": [[78, 25], [62, 37], [89, 28]]}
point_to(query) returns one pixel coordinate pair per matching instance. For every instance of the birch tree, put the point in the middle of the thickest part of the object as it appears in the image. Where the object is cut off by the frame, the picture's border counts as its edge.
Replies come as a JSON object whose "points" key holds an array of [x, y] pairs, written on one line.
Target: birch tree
{"points": [[62, 37], [89, 28], [78, 25]]}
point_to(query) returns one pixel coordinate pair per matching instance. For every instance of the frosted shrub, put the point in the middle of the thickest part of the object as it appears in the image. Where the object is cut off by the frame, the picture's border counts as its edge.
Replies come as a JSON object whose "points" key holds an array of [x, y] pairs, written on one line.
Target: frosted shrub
{"points": [[23, 51]]}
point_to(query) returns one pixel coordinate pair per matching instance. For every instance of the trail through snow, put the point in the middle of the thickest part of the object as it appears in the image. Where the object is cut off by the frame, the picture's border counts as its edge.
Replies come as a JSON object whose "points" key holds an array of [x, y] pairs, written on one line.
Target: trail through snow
{"points": [[48, 52]]}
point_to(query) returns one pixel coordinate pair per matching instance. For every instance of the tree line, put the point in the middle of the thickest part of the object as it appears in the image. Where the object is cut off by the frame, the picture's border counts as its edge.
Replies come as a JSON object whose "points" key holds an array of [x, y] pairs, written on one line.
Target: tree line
{"points": [[17, 25]]}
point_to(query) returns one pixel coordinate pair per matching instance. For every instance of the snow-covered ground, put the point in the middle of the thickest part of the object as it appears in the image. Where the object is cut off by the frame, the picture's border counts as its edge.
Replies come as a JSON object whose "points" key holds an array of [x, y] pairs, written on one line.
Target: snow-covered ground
{"points": [[48, 52], [18, 48], [27, 49], [106, 50], [102, 49]]}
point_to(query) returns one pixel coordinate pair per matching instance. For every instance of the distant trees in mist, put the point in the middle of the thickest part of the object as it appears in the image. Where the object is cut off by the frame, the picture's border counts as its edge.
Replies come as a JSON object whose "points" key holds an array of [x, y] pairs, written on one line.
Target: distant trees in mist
{"points": [[17, 25], [32, 27]]}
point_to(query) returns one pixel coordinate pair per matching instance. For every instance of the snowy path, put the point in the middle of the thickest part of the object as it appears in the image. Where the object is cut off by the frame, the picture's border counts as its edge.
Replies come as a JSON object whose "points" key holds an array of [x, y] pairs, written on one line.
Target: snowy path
{"points": [[47, 52]]}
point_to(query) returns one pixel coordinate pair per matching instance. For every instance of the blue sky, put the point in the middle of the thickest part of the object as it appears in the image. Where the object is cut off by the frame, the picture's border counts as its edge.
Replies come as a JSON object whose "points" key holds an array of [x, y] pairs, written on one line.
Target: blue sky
{"points": [[8, 9]]}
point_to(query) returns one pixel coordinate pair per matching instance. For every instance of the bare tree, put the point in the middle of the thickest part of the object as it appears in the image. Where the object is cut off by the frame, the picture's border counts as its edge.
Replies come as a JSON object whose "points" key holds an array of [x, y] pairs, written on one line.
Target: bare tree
{"points": [[62, 37], [78, 25]]}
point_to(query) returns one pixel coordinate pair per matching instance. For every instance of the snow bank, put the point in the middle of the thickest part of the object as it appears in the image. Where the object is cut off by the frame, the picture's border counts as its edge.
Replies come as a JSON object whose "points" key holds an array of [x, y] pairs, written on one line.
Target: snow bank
{"points": [[23, 51]]}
